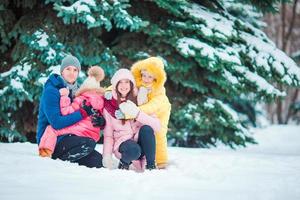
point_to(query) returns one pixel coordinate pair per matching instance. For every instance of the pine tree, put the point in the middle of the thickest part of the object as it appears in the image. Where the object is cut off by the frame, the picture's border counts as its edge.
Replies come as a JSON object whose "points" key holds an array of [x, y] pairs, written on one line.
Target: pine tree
{"points": [[215, 56]]}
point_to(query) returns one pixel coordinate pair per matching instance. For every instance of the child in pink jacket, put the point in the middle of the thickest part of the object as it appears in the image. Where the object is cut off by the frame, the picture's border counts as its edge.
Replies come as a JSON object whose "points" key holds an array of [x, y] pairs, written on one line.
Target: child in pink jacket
{"points": [[89, 93], [132, 140]]}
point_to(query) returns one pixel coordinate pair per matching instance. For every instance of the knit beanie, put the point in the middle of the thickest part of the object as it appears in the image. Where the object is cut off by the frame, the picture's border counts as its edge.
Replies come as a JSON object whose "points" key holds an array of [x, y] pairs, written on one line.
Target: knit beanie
{"points": [[92, 82], [70, 60], [95, 76], [122, 74]]}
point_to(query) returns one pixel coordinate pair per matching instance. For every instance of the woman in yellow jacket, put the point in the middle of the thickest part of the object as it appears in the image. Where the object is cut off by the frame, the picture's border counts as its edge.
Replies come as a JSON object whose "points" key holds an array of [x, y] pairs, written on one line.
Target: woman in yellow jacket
{"points": [[150, 78]]}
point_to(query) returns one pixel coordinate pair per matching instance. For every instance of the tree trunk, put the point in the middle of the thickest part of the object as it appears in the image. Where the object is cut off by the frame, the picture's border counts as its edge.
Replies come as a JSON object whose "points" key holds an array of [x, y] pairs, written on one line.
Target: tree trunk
{"points": [[287, 36], [293, 100], [283, 25], [283, 41]]}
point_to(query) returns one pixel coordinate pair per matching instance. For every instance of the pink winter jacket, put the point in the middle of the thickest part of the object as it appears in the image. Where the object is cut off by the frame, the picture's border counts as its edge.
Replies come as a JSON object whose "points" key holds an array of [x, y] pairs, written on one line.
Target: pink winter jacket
{"points": [[83, 128], [115, 132]]}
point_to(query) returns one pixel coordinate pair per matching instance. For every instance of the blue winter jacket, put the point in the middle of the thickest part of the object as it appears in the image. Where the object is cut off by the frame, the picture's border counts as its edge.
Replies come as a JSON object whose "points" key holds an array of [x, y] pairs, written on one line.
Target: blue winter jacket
{"points": [[49, 109]]}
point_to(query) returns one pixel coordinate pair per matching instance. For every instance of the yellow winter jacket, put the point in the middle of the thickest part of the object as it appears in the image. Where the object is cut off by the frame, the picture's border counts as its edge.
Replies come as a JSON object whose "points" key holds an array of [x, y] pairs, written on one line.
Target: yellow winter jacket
{"points": [[158, 102]]}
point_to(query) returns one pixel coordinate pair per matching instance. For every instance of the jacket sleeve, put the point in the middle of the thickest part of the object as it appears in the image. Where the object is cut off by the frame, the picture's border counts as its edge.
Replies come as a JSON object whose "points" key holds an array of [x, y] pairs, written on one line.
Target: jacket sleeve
{"points": [[67, 107], [108, 142], [145, 119], [155, 105], [53, 113], [97, 103], [48, 140]]}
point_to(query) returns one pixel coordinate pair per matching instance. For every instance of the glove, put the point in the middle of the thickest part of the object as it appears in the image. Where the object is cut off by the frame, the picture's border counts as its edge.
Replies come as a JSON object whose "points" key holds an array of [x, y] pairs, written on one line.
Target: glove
{"points": [[119, 114], [130, 109], [86, 110], [109, 162], [98, 120], [45, 152], [108, 95], [64, 92], [142, 96]]}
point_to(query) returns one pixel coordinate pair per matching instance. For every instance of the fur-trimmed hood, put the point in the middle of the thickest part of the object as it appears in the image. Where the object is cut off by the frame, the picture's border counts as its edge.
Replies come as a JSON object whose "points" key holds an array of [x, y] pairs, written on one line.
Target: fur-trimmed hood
{"points": [[154, 66]]}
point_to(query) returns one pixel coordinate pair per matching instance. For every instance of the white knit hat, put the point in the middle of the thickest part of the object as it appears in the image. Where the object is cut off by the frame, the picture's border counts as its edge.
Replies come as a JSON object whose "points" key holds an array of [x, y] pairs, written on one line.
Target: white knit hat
{"points": [[92, 82], [122, 74]]}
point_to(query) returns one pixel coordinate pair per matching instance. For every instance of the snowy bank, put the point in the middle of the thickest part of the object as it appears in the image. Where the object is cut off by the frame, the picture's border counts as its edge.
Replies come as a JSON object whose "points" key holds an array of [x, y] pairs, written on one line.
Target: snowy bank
{"points": [[270, 170]]}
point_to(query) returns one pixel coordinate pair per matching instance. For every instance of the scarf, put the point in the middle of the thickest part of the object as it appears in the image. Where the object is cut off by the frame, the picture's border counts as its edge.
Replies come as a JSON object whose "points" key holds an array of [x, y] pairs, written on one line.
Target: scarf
{"points": [[148, 86], [111, 106], [73, 89]]}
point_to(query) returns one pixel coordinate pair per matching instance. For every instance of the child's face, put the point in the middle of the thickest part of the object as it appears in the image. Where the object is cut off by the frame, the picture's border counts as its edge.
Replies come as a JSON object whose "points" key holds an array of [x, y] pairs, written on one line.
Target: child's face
{"points": [[124, 87], [147, 78], [70, 74]]}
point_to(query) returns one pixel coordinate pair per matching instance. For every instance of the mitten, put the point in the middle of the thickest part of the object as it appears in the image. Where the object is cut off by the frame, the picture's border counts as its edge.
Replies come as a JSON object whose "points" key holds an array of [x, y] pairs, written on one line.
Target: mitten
{"points": [[98, 120], [64, 92], [119, 114], [86, 110], [129, 108], [108, 95], [109, 162], [142, 96]]}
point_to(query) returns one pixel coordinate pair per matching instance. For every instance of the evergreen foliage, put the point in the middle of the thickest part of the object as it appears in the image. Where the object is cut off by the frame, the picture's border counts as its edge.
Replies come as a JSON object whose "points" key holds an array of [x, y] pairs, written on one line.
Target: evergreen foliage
{"points": [[218, 61]]}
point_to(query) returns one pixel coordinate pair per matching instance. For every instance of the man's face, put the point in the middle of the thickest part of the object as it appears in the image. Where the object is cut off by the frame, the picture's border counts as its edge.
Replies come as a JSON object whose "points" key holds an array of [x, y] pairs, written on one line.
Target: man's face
{"points": [[70, 74]]}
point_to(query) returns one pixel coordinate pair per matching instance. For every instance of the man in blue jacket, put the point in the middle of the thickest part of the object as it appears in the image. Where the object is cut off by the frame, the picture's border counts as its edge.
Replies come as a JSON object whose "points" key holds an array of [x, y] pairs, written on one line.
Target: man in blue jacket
{"points": [[69, 147]]}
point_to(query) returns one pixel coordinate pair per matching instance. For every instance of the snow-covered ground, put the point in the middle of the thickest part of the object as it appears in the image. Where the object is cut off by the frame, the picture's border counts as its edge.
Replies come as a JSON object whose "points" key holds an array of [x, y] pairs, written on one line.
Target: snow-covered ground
{"points": [[270, 170]]}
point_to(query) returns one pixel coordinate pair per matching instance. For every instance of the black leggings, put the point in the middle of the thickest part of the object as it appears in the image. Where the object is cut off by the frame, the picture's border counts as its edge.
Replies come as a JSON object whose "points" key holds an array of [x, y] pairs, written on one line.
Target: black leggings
{"points": [[131, 150], [79, 150]]}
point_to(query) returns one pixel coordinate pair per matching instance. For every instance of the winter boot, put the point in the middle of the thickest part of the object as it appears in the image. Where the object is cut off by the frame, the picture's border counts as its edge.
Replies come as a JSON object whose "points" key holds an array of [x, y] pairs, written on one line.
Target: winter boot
{"points": [[123, 165], [150, 167]]}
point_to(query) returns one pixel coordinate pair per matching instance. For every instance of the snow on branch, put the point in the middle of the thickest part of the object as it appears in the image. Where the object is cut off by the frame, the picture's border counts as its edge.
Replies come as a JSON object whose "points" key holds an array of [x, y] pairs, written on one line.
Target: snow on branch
{"points": [[187, 47], [15, 76], [261, 83], [213, 21], [262, 52]]}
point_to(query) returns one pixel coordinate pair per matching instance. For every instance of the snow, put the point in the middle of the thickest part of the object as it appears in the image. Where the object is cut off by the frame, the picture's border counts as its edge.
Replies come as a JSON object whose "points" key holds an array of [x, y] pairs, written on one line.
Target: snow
{"points": [[269, 170], [249, 13], [15, 81], [260, 82], [16, 84], [210, 103], [228, 54], [268, 49], [80, 6], [296, 54], [90, 19], [42, 38], [51, 54], [236, 117], [2, 91], [89, 2], [230, 77], [22, 70], [229, 110], [262, 52], [213, 21]]}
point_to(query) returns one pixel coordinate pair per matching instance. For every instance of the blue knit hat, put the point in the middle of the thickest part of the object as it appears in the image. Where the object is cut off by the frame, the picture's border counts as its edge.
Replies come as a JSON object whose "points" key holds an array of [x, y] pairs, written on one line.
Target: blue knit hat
{"points": [[70, 60]]}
